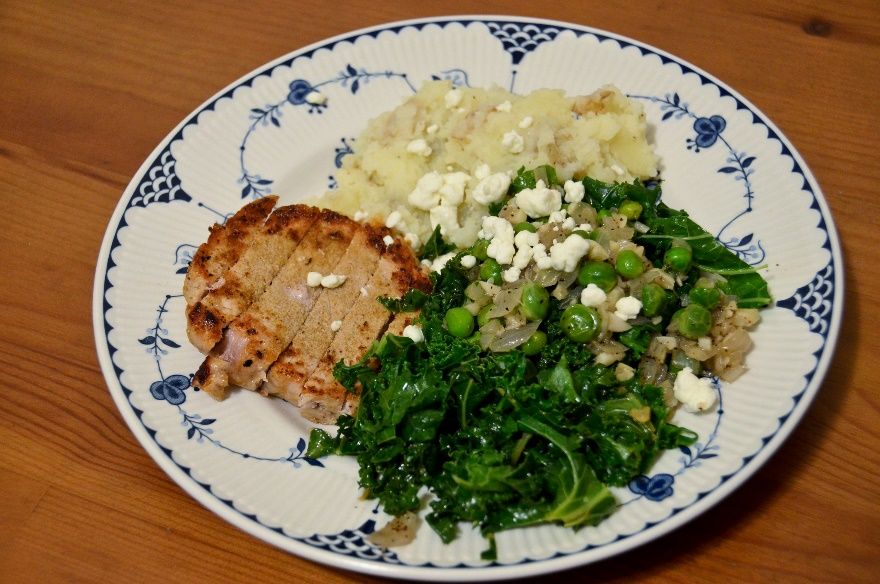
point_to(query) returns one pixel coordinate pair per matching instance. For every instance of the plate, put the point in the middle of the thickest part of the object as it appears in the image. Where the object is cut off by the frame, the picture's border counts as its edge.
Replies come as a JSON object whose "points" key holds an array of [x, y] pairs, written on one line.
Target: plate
{"points": [[244, 458]]}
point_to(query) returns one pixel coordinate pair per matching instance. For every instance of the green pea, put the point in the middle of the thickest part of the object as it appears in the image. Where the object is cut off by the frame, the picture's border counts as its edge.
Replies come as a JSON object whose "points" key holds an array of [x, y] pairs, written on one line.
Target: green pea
{"points": [[524, 226], [582, 233], [491, 271], [459, 322], [535, 301], [707, 297], [599, 273], [694, 321], [535, 344], [483, 315], [601, 215], [580, 323], [679, 258], [480, 250], [630, 209], [653, 299], [629, 264]]}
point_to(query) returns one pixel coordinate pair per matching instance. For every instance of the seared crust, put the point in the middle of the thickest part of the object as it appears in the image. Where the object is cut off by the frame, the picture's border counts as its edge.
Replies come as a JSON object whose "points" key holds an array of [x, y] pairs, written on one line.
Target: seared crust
{"points": [[249, 277], [224, 247], [254, 340], [265, 329]]}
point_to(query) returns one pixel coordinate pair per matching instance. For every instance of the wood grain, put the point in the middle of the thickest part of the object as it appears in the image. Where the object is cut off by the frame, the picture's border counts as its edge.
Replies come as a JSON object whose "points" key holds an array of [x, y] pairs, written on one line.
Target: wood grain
{"points": [[89, 88]]}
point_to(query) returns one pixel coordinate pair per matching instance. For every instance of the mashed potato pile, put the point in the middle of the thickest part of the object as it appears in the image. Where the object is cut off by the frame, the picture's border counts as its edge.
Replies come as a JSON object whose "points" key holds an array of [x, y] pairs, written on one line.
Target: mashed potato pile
{"points": [[421, 164]]}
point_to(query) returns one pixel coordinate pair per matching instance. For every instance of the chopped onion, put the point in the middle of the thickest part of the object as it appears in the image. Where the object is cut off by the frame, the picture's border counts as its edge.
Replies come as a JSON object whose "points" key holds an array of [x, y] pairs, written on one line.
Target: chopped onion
{"points": [[513, 338], [506, 300], [401, 530]]}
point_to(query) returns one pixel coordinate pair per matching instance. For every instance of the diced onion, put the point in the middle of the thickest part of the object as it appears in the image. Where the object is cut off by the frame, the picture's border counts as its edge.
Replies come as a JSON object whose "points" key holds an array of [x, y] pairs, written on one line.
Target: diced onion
{"points": [[513, 338]]}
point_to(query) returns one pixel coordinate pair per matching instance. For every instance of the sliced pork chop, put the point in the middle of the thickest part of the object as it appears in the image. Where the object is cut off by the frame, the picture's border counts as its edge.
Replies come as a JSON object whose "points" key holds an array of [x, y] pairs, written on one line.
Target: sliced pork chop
{"points": [[224, 247], [292, 369], [254, 340], [249, 277], [322, 398]]}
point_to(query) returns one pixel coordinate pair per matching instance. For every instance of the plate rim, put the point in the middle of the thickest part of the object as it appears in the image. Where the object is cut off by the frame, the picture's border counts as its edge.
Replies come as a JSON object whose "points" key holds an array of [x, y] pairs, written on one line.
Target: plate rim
{"points": [[204, 494]]}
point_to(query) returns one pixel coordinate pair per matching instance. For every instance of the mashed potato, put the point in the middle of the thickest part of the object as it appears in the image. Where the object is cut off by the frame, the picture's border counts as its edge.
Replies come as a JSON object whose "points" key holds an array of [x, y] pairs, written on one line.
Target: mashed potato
{"points": [[458, 130]]}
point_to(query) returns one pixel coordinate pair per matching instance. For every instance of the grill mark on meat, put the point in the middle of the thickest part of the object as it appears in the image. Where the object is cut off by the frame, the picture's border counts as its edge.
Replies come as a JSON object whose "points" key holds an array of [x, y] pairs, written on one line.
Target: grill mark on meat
{"points": [[322, 398], [249, 277], [291, 370], [279, 312], [224, 247]]}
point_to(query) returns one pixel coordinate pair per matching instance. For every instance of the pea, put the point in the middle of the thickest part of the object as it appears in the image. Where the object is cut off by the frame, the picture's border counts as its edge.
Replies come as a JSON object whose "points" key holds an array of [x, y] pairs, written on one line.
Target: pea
{"points": [[707, 297], [580, 323], [483, 315], [630, 209], [629, 264], [599, 273], [535, 301], [601, 215], [653, 299], [524, 226], [694, 321], [678, 258], [535, 344], [459, 322], [491, 271], [480, 250]]}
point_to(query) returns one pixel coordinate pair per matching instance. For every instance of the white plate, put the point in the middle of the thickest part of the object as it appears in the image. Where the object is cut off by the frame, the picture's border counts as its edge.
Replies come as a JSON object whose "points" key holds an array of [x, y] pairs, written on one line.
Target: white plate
{"points": [[722, 159]]}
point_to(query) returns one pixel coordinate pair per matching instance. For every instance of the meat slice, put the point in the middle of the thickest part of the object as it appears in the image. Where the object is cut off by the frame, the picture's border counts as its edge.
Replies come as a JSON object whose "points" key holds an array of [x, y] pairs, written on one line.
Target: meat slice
{"points": [[249, 277], [400, 321], [224, 247], [290, 371], [322, 398], [255, 339]]}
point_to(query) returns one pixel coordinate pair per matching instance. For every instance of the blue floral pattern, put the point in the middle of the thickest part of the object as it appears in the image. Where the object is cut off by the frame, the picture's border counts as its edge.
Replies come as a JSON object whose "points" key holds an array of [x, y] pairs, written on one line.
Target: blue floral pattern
{"points": [[160, 183]]}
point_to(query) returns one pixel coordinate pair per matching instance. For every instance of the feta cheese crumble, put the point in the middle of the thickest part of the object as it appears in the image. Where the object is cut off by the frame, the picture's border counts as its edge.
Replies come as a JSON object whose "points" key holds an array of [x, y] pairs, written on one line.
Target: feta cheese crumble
{"points": [[413, 332], [592, 295], [419, 146], [499, 232], [313, 279], [335, 325], [512, 142], [333, 280], [627, 308], [440, 262], [695, 393], [491, 188], [393, 219], [468, 261], [388, 240], [539, 201], [574, 191], [360, 215]]}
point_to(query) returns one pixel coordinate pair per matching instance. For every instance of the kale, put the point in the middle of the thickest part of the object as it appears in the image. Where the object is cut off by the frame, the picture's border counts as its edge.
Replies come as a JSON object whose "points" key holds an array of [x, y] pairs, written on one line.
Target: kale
{"points": [[638, 338], [412, 300], [435, 246]]}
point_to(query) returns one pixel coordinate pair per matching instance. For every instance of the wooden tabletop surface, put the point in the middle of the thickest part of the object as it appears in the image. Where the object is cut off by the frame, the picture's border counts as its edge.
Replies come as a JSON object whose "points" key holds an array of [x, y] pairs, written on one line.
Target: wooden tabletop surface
{"points": [[87, 90]]}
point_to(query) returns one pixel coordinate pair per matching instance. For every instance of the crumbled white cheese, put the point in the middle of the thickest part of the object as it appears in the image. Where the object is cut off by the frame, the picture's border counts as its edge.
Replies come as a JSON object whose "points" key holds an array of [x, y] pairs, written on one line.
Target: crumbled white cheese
{"points": [[566, 254], [491, 188], [525, 242], [585, 227], [452, 190], [419, 146], [427, 263], [511, 274], [313, 279], [440, 262], [569, 223], [574, 191], [425, 195], [432, 129], [316, 98], [333, 280], [446, 217], [695, 393], [539, 201], [526, 122], [627, 308], [388, 240], [468, 261], [335, 325], [412, 239], [364, 289], [512, 142], [393, 219], [414, 333], [482, 171], [360, 215], [499, 232], [504, 106], [592, 295], [452, 98], [557, 216]]}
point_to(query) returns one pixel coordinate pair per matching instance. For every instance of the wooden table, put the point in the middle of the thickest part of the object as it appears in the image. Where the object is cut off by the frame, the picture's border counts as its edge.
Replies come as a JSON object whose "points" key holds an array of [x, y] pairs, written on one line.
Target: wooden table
{"points": [[87, 89]]}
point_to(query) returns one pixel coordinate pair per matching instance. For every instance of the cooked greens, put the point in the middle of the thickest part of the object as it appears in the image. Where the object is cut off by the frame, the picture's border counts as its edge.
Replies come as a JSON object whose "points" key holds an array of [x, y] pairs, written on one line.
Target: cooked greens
{"points": [[528, 435]]}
